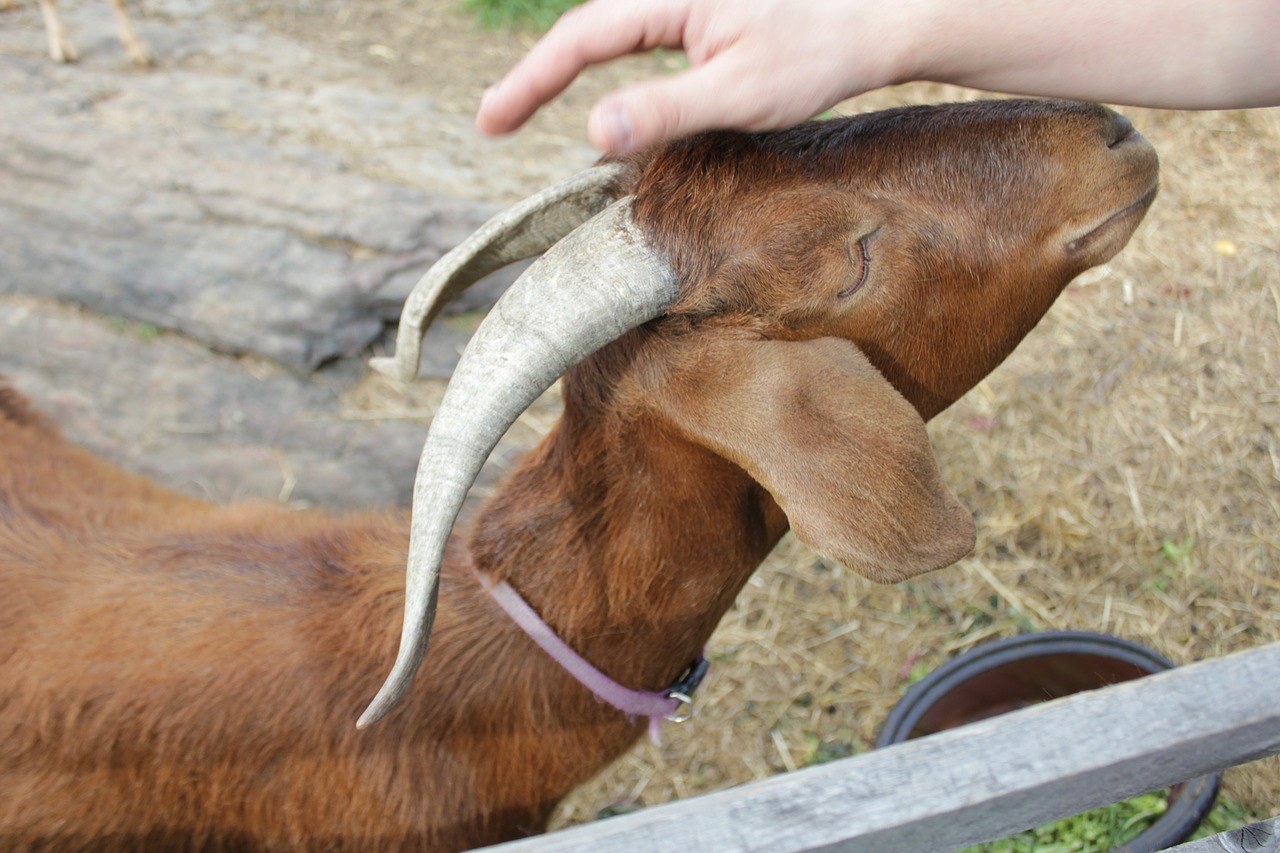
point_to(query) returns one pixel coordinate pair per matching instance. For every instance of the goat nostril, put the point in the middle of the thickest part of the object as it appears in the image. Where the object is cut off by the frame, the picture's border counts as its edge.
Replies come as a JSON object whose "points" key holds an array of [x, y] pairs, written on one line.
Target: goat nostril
{"points": [[1120, 130]]}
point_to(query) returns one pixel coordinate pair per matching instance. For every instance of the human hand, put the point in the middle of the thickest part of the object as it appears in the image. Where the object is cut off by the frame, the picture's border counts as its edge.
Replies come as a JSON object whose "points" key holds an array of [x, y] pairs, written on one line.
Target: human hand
{"points": [[761, 64], [755, 64]]}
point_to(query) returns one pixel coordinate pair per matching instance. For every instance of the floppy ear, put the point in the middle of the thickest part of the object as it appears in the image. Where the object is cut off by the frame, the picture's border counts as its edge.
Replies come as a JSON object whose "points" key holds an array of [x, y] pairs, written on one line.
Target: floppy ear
{"points": [[842, 452]]}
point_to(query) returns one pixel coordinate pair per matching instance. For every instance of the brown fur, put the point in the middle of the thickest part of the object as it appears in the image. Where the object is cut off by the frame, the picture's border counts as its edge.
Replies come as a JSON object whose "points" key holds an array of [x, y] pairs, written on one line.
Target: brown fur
{"points": [[180, 675]]}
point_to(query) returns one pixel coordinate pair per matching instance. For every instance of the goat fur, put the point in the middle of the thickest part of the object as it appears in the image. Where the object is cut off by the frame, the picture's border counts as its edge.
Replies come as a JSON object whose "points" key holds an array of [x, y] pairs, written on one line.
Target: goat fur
{"points": [[176, 674]]}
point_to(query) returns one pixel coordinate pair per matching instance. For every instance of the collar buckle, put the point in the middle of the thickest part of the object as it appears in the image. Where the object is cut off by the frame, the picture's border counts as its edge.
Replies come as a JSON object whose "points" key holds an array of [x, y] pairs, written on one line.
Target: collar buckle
{"points": [[682, 689]]}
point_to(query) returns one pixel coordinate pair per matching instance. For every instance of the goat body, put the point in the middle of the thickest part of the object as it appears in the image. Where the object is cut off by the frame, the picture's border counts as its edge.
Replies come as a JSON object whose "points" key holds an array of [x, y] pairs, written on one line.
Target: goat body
{"points": [[177, 674]]}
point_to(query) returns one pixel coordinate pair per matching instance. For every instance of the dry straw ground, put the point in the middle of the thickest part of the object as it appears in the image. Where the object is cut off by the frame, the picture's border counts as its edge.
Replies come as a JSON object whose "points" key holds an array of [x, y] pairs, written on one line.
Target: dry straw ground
{"points": [[1123, 465]]}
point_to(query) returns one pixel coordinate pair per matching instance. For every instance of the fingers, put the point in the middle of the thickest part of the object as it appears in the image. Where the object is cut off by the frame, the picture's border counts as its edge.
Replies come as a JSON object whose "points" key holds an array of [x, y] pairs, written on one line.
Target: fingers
{"points": [[595, 32], [733, 90], [658, 110], [757, 64]]}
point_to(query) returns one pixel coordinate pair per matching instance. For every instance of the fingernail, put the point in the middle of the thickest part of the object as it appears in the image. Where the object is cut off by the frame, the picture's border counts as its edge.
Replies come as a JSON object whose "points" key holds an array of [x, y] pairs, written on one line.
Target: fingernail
{"points": [[615, 124], [488, 95]]}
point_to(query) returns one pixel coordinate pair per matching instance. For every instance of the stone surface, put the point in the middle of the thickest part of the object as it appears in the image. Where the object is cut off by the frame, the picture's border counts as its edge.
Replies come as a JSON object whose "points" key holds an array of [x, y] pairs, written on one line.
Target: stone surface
{"points": [[222, 427], [207, 424], [247, 246], [269, 200], [249, 193]]}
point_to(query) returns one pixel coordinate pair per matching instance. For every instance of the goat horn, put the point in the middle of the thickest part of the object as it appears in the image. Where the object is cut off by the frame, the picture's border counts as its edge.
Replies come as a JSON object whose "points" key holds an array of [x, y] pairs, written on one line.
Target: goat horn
{"points": [[521, 231], [591, 288]]}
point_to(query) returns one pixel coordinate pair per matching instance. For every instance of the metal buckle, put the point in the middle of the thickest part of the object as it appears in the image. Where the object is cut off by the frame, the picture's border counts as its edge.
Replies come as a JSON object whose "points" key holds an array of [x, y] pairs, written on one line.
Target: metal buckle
{"points": [[683, 711], [682, 689]]}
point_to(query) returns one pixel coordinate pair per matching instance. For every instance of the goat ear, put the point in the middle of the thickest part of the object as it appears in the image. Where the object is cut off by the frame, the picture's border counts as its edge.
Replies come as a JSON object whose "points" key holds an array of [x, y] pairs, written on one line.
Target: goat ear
{"points": [[845, 456]]}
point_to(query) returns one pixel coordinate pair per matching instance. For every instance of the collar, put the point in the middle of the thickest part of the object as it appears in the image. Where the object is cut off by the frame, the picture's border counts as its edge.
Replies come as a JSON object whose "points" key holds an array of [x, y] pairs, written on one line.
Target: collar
{"points": [[674, 704]]}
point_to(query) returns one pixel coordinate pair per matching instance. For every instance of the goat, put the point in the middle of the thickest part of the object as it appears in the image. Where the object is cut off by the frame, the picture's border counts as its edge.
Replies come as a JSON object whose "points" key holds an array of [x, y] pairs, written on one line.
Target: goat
{"points": [[753, 330], [61, 48]]}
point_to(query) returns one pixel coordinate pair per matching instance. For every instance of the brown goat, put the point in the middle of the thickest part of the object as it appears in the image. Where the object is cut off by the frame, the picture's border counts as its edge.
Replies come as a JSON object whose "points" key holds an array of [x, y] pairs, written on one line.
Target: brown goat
{"points": [[175, 674]]}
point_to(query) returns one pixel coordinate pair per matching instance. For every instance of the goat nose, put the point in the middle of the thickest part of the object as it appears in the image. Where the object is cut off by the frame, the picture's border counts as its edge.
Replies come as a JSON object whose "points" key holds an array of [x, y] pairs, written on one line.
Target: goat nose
{"points": [[1118, 130]]}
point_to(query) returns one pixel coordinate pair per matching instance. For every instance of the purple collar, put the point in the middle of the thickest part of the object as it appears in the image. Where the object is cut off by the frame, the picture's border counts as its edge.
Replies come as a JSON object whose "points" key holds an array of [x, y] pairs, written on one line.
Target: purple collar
{"points": [[674, 704]]}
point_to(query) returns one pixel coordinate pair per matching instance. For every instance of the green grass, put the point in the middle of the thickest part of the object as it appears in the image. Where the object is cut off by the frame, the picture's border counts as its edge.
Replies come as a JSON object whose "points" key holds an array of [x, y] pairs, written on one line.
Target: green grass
{"points": [[140, 329], [1103, 829], [518, 14], [1226, 815], [1092, 832]]}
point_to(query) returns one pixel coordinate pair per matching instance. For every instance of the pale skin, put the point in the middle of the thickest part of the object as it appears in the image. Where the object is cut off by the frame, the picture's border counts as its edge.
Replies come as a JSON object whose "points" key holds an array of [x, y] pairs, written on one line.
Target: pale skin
{"points": [[762, 64]]}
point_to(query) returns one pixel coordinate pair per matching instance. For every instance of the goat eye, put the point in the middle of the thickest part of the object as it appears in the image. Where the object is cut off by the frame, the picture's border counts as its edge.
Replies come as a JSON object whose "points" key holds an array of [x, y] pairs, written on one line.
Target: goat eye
{"points": [[860, 261]]}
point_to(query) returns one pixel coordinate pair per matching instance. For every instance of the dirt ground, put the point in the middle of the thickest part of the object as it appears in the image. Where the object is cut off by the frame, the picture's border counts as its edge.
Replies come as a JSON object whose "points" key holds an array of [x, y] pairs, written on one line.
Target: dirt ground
{"points": [[436, 48], [1124, 465]]}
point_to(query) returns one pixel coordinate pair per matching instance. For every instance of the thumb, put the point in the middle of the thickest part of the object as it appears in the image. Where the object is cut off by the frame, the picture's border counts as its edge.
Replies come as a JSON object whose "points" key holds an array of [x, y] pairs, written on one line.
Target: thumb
{"points": [[707, 97]]}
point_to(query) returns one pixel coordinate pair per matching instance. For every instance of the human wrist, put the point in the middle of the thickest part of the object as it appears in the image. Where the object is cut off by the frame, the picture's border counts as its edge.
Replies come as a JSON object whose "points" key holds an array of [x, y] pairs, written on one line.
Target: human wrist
{"points": [[915, 42]]}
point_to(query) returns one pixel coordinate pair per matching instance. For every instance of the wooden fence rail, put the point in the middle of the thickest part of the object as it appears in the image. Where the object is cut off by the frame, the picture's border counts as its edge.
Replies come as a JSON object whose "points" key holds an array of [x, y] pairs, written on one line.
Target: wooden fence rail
{"points": [[984, 781], [1263, 837]]}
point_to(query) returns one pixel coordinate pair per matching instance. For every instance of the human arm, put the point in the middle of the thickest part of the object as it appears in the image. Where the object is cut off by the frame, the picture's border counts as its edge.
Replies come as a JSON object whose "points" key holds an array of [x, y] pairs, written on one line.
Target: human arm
{"points": [[758, 64]]}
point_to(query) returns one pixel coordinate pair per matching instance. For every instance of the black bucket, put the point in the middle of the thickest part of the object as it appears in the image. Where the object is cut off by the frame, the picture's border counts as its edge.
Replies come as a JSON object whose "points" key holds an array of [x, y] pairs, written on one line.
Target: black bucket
{"points": [[1006, 675]]}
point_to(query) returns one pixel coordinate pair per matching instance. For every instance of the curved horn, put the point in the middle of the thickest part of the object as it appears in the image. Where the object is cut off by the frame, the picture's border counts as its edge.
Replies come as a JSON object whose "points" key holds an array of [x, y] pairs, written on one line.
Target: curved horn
{"points": [[521, 231], [592, 287]]}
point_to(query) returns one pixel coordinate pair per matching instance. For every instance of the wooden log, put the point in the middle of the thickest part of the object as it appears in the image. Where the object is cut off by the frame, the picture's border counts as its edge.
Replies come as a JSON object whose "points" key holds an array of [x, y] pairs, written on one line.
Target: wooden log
{"points": [[981, 782]]}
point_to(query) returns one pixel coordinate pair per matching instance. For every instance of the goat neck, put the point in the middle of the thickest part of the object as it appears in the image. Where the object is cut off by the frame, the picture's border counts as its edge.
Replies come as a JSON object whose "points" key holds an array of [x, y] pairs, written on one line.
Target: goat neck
{"points": [[629, 540]]}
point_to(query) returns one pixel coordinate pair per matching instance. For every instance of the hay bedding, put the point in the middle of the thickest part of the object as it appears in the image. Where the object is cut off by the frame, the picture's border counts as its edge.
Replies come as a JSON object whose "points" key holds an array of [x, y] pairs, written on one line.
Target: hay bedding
{"points": [[1124, 468]]}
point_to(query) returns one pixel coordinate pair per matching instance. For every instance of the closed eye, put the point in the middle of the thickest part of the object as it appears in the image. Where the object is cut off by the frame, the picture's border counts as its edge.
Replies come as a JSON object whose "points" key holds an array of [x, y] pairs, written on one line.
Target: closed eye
{"points": [[860, 260]]}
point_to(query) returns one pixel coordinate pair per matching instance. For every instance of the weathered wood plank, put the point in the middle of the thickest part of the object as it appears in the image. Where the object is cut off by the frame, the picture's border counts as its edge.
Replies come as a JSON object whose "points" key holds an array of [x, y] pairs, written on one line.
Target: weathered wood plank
{"points": [[980, 782], [1261, 837]]}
